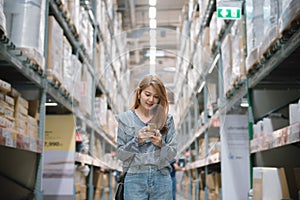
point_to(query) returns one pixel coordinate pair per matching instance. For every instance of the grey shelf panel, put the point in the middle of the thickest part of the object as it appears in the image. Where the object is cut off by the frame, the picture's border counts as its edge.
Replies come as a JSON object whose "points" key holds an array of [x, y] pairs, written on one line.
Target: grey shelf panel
{"points": [[17, 175]]}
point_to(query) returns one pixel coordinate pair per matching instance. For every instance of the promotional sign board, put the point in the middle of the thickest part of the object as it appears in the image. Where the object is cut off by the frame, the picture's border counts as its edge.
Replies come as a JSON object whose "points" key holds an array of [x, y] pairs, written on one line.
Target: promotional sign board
{"points": [[59, 157], [235, 161]]}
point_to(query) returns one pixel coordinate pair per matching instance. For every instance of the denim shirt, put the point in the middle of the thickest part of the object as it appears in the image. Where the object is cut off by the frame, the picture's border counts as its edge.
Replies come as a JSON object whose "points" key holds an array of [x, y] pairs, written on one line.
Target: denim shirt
{"points": [[138, 157]]}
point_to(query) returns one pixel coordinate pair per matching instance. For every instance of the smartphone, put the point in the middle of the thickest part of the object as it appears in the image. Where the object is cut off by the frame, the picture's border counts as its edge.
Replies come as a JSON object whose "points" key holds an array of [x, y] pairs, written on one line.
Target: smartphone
{"points": [[151, 126]]}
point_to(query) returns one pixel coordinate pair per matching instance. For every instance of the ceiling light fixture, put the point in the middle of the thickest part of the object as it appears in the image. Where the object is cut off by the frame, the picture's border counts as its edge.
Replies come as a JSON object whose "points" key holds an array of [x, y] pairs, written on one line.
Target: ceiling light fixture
{"points": [[152, 12], [152, 23], [152, 2], [152, 34], [244, 103], [50, 104], [158, 53]]}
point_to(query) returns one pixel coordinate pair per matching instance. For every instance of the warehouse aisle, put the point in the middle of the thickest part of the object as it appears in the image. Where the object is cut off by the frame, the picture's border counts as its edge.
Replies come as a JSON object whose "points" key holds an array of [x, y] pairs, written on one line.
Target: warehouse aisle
{"points": [[68, 67]]}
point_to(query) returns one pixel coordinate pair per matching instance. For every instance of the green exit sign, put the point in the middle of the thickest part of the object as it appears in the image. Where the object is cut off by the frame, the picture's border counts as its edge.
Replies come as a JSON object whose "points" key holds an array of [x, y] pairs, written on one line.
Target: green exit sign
{"points": [[229, 12]]}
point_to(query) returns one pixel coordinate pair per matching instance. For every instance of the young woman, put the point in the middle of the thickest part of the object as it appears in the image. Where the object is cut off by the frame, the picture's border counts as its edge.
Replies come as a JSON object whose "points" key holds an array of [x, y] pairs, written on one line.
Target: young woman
{"points": [[146, 142]]}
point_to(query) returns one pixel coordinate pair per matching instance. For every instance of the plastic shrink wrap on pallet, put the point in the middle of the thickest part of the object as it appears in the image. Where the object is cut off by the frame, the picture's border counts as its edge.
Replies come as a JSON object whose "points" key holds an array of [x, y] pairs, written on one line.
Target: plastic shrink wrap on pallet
{"points": [[25, 25], [2, 19]]}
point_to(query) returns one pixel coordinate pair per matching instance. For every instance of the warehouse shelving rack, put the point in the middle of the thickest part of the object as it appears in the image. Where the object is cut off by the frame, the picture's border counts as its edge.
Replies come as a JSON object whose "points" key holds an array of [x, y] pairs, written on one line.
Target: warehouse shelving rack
{"points": [[278, 58], [21, 175]]}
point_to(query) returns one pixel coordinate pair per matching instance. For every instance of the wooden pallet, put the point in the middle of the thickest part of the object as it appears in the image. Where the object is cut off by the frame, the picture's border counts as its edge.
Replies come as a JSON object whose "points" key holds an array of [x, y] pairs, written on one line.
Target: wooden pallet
{"points": [[237, 83], [66, 92], [34, 56], [273, 47], [58, 85], [253, 68], [293, 23], [54, 80]]}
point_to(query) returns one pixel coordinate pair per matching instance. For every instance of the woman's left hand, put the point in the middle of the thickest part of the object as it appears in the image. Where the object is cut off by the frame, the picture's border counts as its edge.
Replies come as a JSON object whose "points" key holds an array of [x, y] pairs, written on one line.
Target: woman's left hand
{"points": [[156, 138]]}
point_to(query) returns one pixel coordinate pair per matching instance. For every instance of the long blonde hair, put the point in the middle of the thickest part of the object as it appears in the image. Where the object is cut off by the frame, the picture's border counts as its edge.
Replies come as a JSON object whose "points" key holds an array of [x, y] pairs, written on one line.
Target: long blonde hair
{"points": [[160, 112]]}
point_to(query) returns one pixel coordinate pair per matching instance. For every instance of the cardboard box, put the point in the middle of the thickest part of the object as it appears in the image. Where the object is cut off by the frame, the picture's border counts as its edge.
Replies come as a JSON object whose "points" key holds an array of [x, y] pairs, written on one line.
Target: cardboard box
{"points": [[83, 192], [8, 137], [266, 183], [4, 86], [284, 184], [55, 47], [97, 194], [9, 100], [98, 179], [218, 182], [14, 93], [210, 181], [294, 113], [33, 108]]}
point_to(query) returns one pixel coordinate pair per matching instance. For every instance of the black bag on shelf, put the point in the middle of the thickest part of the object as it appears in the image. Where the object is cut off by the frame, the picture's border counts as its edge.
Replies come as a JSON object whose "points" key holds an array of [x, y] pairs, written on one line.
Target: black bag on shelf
{"points": [[119, 195]]}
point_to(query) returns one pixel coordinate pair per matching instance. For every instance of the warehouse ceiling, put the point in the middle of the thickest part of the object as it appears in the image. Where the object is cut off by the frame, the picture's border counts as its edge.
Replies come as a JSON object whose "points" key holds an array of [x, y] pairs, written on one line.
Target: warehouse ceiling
{"points": [[135, 20]]}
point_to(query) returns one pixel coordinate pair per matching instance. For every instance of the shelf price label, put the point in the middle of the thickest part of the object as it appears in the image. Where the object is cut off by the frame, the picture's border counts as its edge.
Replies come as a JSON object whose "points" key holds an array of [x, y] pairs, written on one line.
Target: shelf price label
{"points": [[229, 12]]}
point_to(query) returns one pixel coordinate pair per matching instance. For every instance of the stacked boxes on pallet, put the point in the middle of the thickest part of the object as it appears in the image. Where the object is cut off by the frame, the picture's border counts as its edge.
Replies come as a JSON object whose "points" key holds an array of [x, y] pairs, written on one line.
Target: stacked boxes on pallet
{"points": [[265, 22], [86, 91], [18, 119], [63, 67], [288, 10], [55, 50]]}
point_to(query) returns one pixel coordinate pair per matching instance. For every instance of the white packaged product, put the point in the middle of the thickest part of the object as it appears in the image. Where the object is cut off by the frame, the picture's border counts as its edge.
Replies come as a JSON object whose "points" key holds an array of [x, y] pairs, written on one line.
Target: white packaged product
{"points": [[25, 23], [266, 183], [290, 10], [294, 113], [271, 30], [2, 19]]}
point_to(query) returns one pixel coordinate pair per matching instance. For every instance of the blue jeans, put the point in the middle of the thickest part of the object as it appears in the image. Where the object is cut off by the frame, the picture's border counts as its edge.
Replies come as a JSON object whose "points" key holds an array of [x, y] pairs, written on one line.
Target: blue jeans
{"points": [[174, 187], [148, 185]]}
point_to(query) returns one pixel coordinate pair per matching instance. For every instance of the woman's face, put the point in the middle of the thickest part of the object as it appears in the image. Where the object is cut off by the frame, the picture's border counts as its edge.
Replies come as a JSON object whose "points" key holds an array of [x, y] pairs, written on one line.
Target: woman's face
{"points": [[149, 97]]}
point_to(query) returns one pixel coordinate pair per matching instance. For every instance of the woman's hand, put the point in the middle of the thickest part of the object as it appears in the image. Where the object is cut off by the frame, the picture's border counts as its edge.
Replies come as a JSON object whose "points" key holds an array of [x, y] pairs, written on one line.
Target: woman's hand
{"points": [[153, 135], [156, 138], [144, 134]]}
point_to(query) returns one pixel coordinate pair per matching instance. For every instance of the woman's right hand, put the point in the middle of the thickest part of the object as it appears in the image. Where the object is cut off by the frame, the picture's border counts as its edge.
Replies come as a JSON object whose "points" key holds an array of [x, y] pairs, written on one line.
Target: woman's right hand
{"points": [[144, 134]]}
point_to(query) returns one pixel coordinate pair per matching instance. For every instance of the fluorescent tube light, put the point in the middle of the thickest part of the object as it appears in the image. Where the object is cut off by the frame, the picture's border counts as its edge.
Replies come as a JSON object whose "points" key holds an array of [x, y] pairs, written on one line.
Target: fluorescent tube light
{"points": [[152, 2], [152, 12], [50, 104], [158, 53], [152, 23], [244, 103], [201, 86]]}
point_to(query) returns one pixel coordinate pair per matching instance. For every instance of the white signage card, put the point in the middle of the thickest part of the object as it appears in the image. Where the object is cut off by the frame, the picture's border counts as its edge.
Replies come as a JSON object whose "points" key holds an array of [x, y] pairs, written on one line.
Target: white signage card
{"points": [[235, 164]]}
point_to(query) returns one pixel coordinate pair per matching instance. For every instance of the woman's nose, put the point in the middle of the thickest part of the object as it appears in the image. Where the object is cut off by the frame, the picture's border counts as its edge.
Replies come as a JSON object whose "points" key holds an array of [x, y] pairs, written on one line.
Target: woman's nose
{"points": [[151, 98]]}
